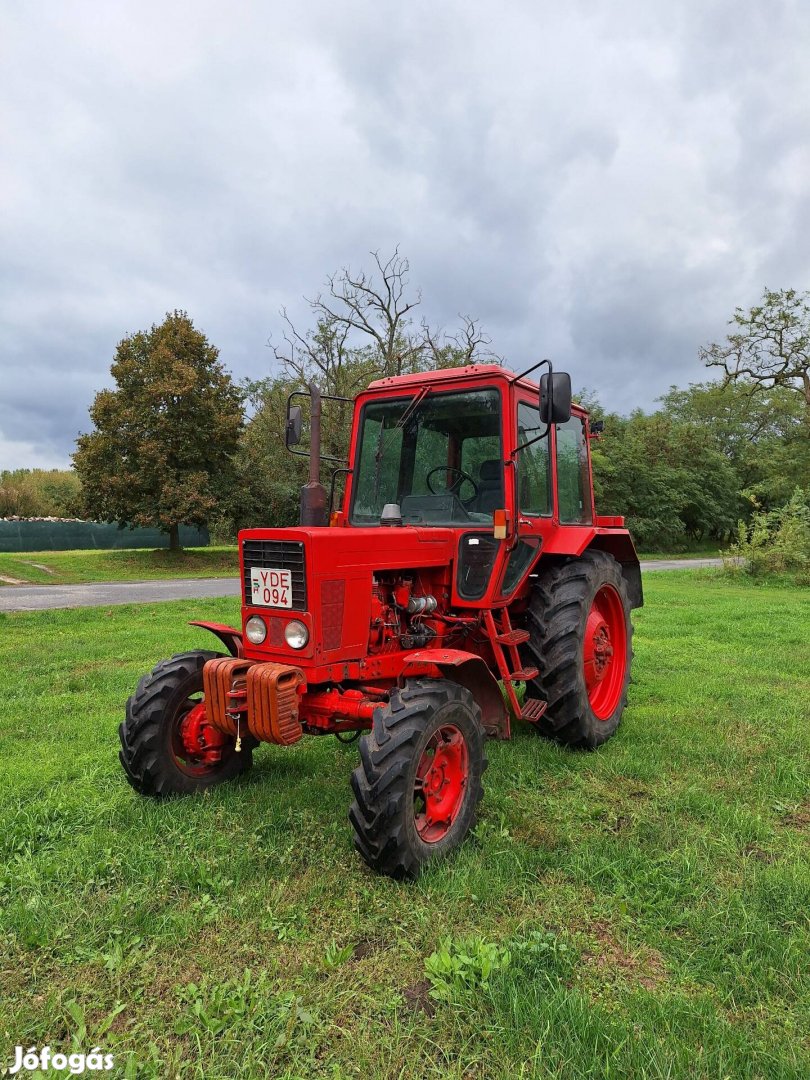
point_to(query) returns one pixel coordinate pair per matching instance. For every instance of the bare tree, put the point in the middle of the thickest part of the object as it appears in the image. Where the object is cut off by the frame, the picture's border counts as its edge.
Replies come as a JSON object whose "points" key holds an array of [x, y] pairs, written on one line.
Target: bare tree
{"points": [[364, 330], [469, 345], [771, 345]]}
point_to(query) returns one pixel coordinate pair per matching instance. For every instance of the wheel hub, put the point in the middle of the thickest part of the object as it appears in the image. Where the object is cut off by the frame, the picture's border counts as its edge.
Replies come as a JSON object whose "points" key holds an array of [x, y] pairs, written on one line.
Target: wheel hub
{"points": [[200, 740], [604, 652], [441, 782]]}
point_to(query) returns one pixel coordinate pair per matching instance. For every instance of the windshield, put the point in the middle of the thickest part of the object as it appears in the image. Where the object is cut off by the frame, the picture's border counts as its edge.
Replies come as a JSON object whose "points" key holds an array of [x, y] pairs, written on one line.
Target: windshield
{"points": [[437, 455]]}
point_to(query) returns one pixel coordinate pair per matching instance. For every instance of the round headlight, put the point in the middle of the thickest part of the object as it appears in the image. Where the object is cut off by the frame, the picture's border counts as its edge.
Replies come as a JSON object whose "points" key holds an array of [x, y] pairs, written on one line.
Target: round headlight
{"points": [[296, 634], [256, 630]]}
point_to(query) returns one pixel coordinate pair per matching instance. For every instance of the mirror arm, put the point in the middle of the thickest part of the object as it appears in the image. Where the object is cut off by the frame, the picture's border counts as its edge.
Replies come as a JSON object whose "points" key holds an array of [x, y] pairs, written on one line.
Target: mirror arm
{"points": [[528, 371], [544, 434], [324, 397], [531, 442]]}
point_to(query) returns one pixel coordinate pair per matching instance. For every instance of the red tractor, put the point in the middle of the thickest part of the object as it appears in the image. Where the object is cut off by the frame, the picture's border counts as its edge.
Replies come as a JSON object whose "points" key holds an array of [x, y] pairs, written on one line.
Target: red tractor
{"points": [[465, 557]]}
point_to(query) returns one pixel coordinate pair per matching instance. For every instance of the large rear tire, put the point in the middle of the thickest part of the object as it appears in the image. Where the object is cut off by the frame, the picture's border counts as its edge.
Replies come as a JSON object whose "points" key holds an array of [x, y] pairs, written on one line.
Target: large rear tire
{"points": [[418, 784], [155, 736], [581, 642]]}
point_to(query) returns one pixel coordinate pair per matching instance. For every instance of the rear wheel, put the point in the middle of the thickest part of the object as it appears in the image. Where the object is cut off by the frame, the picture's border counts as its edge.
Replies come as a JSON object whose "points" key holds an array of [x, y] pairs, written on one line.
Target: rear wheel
{"points": [[579, 621], [167, 745], [418, 784]]}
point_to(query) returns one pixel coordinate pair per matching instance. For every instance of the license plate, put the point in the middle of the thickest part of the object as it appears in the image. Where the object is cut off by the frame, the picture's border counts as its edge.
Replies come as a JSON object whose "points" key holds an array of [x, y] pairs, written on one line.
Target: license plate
{"points": [[271, 588]]}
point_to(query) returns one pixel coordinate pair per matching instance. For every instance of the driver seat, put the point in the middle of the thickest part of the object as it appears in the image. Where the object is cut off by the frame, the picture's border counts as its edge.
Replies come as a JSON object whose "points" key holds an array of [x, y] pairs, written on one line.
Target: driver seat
{"points": [[490, 486]]}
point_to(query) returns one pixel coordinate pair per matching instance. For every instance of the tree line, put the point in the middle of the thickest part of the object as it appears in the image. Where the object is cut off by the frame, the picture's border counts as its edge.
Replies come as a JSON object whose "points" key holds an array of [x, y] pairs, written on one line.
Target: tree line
{"points": [[178, 442]]}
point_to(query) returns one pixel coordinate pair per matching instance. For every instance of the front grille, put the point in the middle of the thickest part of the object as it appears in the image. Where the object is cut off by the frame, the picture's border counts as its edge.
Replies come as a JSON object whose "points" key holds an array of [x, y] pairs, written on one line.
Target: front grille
{"points": [[277, 555]]}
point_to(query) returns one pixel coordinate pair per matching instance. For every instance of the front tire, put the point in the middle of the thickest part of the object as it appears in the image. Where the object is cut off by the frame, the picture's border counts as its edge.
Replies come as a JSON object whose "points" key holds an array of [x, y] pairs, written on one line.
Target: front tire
{"points": [[581, 634], [418, 784], [154, 754]]}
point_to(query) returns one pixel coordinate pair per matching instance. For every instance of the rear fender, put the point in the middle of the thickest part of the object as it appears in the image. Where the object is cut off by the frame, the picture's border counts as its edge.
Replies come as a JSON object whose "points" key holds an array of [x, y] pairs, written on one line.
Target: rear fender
{"points": [[469, 671], [230, 638], [620, 546]]}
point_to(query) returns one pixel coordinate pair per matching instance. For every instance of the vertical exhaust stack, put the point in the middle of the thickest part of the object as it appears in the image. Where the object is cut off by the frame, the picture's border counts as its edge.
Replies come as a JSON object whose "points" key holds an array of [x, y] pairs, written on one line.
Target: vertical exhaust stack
{"points": [[313, 493]]}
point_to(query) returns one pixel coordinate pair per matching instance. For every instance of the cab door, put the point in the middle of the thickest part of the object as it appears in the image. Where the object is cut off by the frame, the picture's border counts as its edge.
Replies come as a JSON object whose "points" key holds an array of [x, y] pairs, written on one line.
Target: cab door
{"points": [[533, 493]]}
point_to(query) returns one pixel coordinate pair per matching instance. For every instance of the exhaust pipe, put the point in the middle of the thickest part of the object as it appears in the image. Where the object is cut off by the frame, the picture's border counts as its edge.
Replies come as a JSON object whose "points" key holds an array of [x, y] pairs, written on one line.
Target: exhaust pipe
{"points": [[313, 493]]}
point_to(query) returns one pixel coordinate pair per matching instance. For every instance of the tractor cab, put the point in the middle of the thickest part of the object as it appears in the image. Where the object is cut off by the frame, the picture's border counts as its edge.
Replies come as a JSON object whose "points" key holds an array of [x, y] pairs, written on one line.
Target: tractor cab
{"points": [[498, 459], [437, 456]]}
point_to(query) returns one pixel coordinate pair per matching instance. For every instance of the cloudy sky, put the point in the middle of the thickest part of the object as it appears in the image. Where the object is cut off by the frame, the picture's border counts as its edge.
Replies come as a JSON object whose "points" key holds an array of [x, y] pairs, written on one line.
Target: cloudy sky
{"points": [[598, 182]]}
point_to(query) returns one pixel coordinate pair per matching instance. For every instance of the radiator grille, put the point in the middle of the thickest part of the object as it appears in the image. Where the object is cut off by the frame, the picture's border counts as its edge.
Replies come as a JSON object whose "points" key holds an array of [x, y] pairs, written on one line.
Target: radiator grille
{"points": [[277, 555]]}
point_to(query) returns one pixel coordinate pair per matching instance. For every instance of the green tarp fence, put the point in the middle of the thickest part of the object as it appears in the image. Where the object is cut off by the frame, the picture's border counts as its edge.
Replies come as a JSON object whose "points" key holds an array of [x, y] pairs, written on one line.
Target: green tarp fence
{"points": [[83, 535]]}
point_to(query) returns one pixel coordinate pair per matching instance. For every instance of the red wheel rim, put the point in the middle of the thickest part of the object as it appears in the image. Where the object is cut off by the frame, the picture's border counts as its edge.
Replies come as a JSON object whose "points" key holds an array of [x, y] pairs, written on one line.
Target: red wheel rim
{"points": [[441, 781], [197, 748], [604, 652]]}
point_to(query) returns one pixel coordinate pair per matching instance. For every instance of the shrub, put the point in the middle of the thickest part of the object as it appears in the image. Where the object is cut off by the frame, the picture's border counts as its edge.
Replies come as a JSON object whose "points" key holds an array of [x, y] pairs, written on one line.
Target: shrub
{"points": [[776, 542]]}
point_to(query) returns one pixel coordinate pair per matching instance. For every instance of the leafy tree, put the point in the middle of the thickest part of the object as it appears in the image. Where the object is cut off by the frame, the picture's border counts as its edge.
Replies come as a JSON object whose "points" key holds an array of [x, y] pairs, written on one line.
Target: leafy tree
{"points": [[770, 346], [164, 441], [38, 493], [668, 478], [761, 431]]}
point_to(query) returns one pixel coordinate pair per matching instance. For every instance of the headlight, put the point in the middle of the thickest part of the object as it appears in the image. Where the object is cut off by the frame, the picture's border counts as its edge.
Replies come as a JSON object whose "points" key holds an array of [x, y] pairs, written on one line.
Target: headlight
{"points": [[296, 634], [256, 630]]}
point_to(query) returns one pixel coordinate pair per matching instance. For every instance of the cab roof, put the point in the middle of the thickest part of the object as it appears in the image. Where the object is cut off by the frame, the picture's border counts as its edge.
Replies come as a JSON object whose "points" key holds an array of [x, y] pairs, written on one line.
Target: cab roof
{"points": [[442, 375], [451, 375]]}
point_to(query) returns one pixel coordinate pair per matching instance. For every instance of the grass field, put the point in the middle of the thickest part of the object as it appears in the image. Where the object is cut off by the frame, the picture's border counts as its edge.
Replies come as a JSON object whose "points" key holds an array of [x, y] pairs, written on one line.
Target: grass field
{"points": [[74, 567], [652, 897]]}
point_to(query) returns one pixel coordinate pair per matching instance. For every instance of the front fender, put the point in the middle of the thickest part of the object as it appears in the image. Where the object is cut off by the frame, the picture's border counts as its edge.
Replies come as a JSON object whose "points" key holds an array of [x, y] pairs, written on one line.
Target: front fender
{"points": [[469, 671], [230, 638]]}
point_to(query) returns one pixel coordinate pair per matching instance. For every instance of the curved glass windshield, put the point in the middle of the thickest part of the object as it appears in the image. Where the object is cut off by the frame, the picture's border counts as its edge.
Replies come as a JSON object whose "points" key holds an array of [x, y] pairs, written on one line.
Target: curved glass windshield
{"points": [[437, 455]]}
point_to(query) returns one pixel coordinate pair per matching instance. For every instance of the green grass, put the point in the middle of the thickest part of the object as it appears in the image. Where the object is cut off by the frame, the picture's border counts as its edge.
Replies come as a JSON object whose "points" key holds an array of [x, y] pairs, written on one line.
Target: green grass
{"points": [[653, 897], [707, 551], [75, 567]]}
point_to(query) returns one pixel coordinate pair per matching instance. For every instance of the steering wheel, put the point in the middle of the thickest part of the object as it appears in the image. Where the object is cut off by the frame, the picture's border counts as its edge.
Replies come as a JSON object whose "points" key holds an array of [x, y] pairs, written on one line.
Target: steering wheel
{"points": [[456, 485]]}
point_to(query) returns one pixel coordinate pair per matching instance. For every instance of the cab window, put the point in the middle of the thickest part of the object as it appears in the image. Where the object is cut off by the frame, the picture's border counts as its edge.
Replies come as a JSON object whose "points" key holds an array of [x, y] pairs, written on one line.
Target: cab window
{"points": [[573, 487], [534, 487]]}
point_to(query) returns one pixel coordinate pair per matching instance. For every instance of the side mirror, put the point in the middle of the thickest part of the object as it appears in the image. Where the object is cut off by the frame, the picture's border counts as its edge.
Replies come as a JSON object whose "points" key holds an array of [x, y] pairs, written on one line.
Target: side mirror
{"points": [[555, 399], [293, 433]]}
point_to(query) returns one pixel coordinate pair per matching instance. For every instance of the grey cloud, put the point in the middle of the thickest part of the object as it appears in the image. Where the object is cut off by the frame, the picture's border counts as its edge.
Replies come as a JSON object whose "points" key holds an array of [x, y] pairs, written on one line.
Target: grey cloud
{"points": [[601, 184]]}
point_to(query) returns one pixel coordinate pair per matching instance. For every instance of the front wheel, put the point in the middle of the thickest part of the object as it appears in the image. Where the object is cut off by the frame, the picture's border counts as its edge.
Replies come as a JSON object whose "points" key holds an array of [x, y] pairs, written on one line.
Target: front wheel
{"points": [[167, 745], [579, 622], [418, 784]]}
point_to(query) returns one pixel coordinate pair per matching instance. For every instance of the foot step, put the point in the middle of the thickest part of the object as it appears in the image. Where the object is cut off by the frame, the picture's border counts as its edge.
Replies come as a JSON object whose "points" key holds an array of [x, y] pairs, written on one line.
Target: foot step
{"points": [[533, 709], [523, 676], [514, 637]]}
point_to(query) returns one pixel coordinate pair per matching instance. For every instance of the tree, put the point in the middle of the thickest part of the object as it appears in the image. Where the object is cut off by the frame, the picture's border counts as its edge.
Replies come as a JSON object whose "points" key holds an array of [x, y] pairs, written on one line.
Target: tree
{"points": [[164, 441], [771, 346], [39, 493], [669, 478], [761, 431], [363, 329]]}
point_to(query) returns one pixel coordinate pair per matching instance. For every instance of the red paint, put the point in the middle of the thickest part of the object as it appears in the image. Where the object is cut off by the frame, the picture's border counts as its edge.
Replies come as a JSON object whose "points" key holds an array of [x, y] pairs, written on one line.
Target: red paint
{"points": [[604, 653], [441, 781], [230, 638], [196, 745]]}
